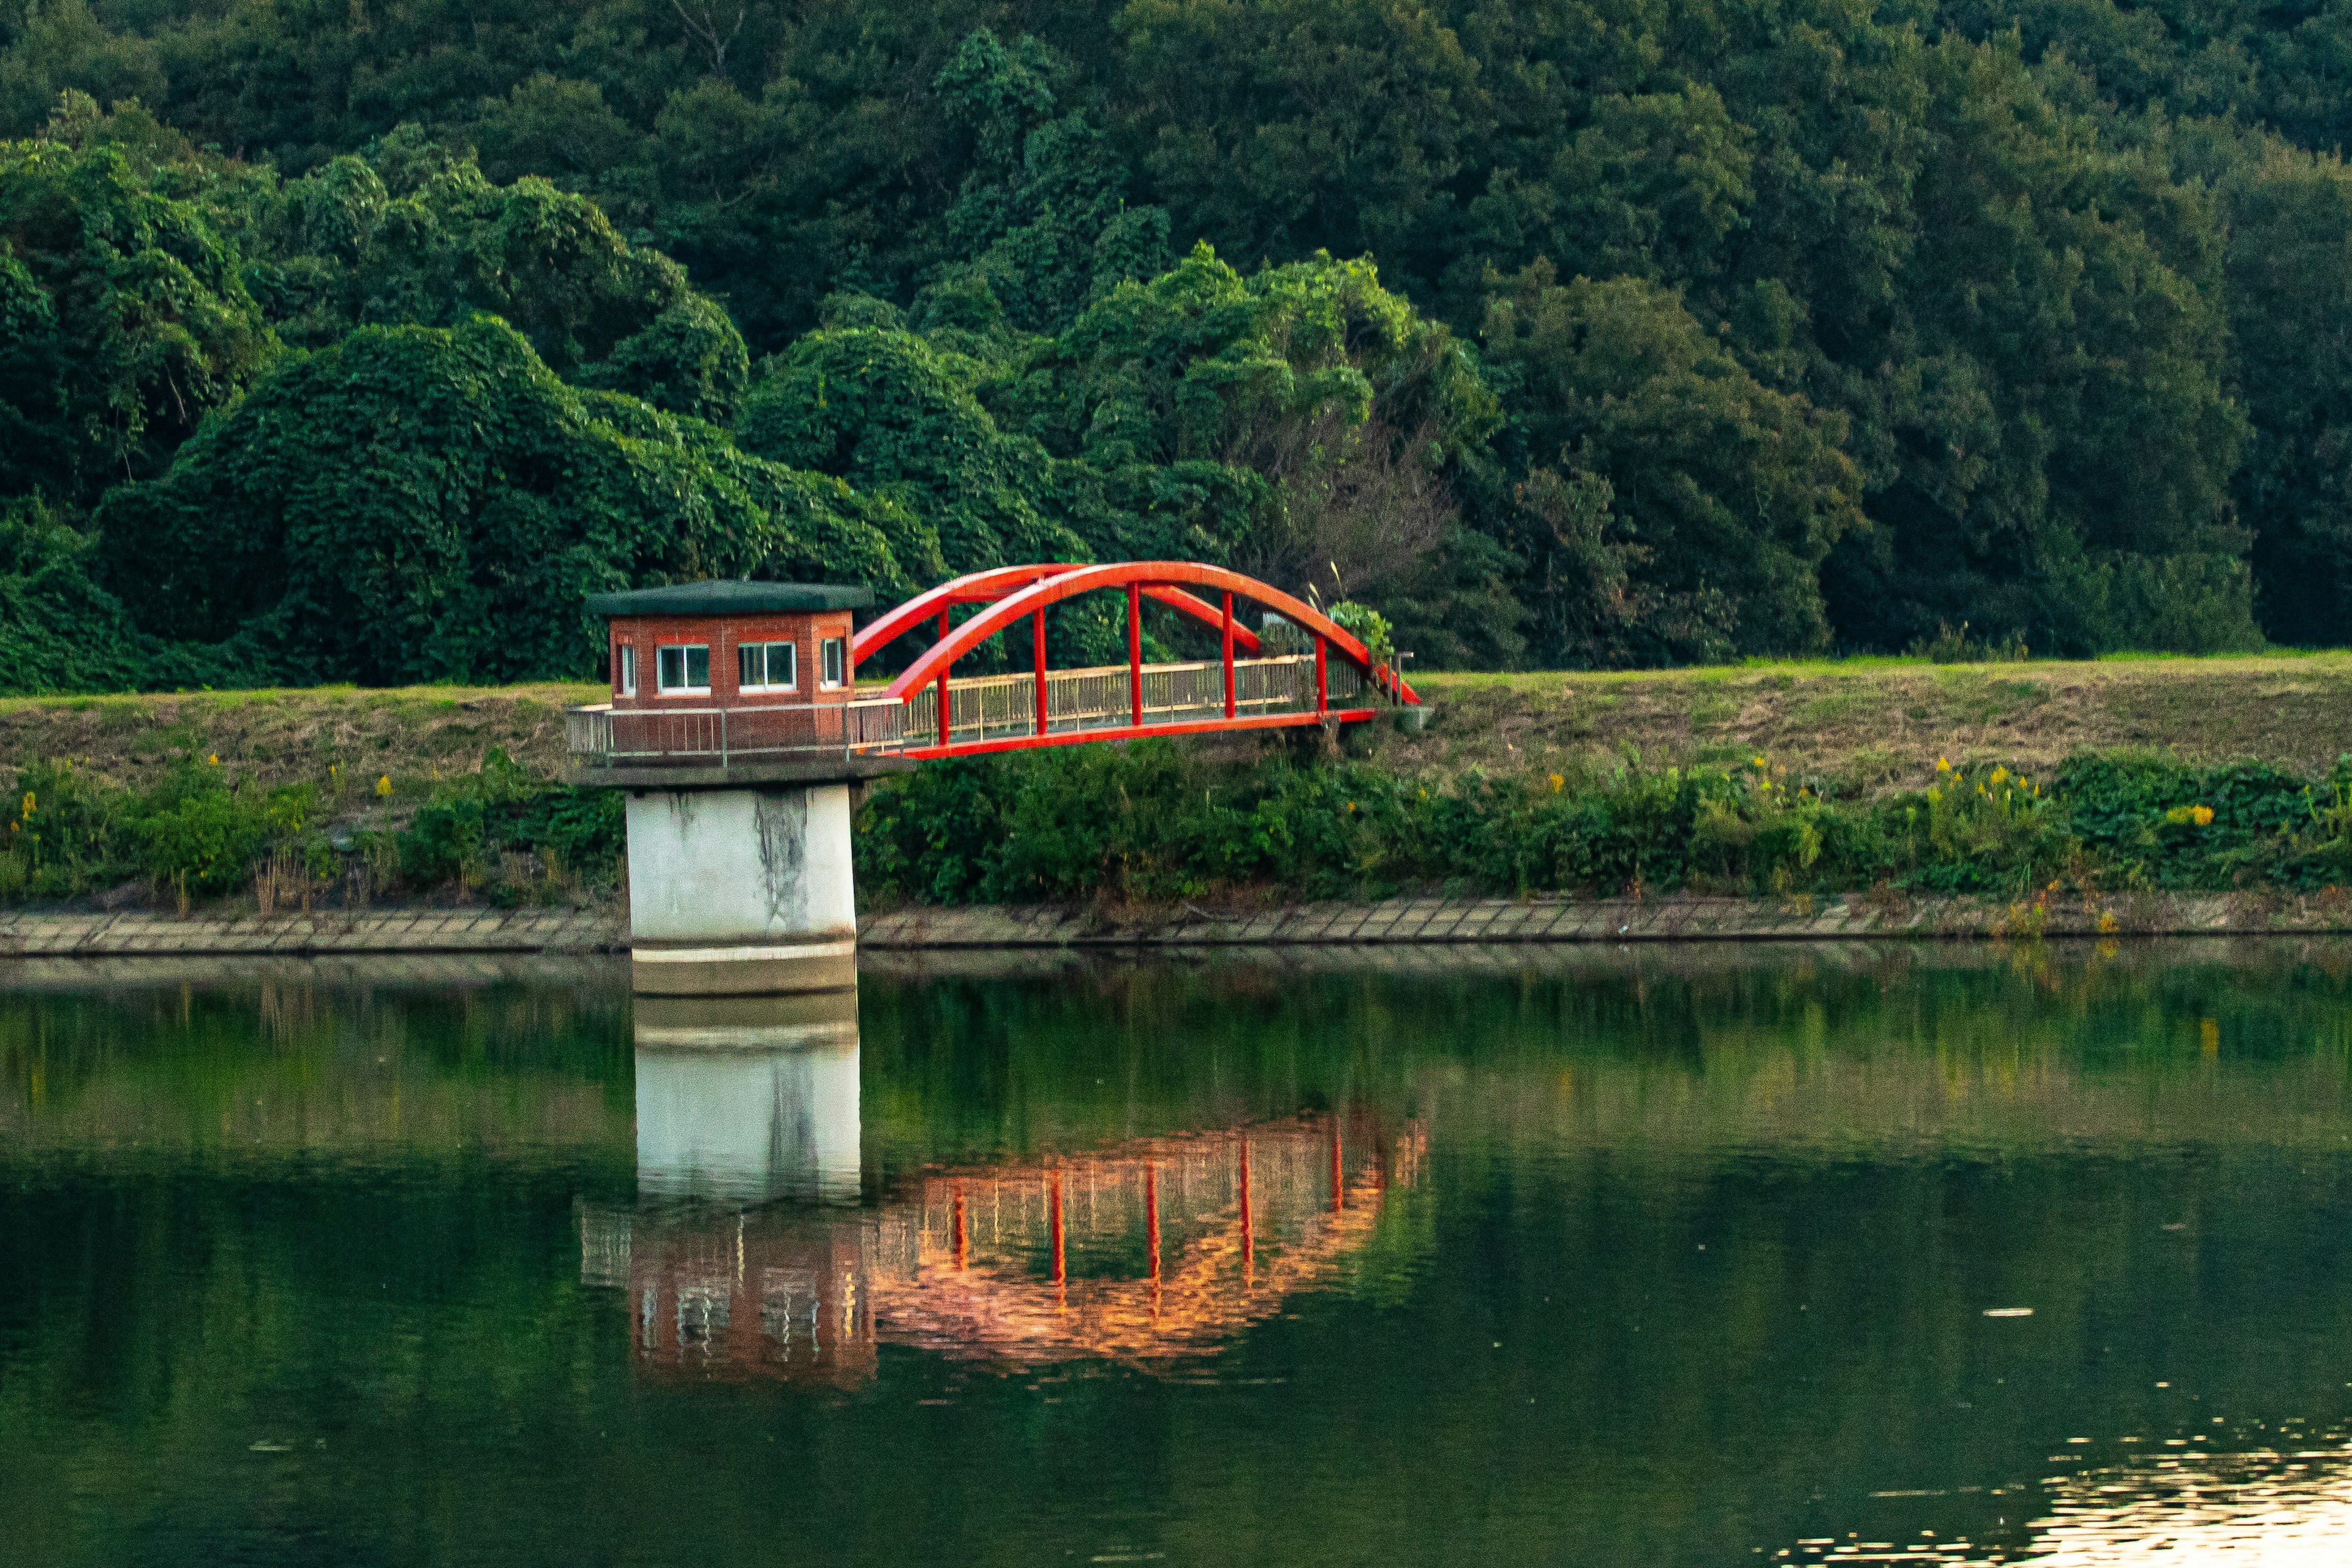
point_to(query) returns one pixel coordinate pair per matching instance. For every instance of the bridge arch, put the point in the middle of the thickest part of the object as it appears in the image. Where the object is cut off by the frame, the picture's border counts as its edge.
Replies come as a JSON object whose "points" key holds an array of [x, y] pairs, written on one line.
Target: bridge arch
{"points": [[1000, 582], [1013, 593], [1165, 582]]}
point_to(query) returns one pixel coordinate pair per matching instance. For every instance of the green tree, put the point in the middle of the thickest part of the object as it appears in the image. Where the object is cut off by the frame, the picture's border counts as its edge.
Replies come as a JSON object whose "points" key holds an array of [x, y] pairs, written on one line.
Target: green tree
{"points": [[2290, 267], [433, 504], [1731, 493], [441, 242], [123, 320], [878, 405]]}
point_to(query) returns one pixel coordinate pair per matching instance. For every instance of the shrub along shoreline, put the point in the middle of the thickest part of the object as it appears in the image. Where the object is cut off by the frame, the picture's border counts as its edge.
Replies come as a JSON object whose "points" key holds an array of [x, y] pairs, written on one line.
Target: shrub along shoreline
{"points": [[1156, 823], [1165, 822], [198, 833]]}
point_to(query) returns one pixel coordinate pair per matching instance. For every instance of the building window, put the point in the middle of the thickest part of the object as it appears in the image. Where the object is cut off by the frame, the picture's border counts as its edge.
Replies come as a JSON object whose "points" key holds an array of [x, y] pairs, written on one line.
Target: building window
{"points": [[833, 653], [768, 666], [683, 672], [624, 669]]}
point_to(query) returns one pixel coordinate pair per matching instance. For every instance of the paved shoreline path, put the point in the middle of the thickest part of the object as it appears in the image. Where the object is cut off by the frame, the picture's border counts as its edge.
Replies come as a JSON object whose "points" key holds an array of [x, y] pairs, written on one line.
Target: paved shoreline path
{"points": [[1395, 922]]}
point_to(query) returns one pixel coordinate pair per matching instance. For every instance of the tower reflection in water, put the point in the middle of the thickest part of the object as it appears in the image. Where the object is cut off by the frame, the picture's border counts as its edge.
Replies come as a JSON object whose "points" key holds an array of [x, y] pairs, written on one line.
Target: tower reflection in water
{"points": [[750, 1254]]}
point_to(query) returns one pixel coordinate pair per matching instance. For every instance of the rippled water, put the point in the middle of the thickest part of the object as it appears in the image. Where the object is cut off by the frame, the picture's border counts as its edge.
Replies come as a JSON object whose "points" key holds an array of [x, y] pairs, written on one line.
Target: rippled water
{"points": [[1677, 1256]]}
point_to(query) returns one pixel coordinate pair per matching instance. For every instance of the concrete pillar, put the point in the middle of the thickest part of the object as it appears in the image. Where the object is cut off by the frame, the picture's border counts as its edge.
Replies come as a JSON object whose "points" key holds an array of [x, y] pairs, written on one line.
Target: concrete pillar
{"points": [[741, 892], [749, 1098]]}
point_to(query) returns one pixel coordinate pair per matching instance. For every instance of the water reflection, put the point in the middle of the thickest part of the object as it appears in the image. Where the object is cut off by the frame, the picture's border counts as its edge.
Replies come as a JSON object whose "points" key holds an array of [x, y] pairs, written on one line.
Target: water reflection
{"points": [[1678, 1258], [2265, 1507], [2290, 1508], [1148, 1249], [748, 1096]]}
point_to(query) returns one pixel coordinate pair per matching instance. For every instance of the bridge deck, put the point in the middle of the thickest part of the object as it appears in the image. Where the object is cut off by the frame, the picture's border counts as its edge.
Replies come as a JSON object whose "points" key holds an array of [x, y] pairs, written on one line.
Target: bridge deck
{"points": [[986, 713]]}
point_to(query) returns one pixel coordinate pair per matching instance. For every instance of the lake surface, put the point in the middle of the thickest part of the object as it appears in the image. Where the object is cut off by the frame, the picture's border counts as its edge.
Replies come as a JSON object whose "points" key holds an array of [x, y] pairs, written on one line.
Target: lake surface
{"points": [[1677, 1256]]}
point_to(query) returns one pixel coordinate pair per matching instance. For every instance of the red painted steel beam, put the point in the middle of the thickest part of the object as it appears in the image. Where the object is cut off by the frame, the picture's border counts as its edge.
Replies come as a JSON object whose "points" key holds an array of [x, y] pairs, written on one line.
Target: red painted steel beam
{"points": [[1164, 573], [972, 587], [1135, 655], [986, 587], [1185, 604], [1125, 732], [1037, 663], [946, 703], [1227, 598]]}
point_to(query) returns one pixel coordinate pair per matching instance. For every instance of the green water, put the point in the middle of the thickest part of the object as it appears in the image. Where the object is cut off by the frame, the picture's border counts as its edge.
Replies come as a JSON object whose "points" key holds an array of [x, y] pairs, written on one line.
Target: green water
{"points": [[1656, 1258]]}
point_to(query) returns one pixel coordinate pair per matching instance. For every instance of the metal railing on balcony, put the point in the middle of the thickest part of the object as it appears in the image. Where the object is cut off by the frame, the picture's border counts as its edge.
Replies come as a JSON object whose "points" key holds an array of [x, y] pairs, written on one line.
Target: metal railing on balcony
{"points": [[980, 709]]}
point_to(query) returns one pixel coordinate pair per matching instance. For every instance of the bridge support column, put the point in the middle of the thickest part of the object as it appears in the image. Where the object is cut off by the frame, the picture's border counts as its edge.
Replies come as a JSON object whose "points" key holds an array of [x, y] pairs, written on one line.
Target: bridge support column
{"points": [[741, 892]]}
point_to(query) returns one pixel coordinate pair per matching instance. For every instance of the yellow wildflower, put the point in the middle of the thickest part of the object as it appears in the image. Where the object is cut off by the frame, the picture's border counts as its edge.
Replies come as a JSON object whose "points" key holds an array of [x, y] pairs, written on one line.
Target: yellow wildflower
{"points": [[2202, 816], [2000, 774], [1943, 766], [213, 759], [1557, 783], [384, 785], [1760, 762], [28, 803]]}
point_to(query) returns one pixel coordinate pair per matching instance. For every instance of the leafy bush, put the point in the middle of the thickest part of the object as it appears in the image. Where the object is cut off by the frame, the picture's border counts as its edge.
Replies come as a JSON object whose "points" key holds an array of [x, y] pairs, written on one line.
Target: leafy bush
{"points": [[193, 833], [1149, 821], [469, 825]]}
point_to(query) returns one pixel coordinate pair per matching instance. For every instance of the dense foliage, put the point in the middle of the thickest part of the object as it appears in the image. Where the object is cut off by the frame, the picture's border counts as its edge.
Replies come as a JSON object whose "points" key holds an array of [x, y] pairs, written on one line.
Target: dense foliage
{"points": [[195, 833], [1154, 823], [1659, 333]]}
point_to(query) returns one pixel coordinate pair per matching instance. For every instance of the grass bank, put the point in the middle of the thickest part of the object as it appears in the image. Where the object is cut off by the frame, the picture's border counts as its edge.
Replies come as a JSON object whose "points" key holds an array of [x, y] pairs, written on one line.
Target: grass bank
{"points": [[2114, 775], [1877, 724], [328, 798]]}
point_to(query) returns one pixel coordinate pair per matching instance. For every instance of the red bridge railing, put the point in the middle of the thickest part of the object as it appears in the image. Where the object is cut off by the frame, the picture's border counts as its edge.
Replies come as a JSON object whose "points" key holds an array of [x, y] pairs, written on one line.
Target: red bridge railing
{"points": [[925, 711], [1048, 708]]}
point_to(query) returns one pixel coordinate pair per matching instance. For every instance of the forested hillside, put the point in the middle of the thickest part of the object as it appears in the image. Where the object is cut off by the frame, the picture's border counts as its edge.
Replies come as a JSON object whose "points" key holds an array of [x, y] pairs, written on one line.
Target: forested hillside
{"points": [[360, 340]]}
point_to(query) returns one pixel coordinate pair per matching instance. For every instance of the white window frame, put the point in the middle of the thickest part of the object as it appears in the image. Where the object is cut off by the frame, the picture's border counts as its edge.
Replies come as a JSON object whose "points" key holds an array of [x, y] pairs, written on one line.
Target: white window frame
{"points": [[766, 650], [832, 664], [625, 667], [683, 649]]}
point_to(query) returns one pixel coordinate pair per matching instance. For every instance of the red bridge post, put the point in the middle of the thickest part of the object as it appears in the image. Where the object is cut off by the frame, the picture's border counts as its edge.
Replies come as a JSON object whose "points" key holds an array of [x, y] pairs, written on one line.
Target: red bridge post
{"points": [[946, 709], [1322, 685], [1229, 653], [1135, 655], [1038, 658]]}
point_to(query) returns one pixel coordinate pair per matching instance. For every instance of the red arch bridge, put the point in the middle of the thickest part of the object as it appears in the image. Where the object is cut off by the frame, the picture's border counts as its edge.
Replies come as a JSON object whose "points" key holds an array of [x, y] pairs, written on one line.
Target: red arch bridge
{"points": [[768, 681]]}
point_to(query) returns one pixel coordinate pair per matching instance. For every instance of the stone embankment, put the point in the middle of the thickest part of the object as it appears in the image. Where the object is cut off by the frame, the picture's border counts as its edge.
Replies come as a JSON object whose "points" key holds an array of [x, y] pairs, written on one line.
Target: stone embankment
{"points": [[1397, 921], [427, 930], [1428, 920]]}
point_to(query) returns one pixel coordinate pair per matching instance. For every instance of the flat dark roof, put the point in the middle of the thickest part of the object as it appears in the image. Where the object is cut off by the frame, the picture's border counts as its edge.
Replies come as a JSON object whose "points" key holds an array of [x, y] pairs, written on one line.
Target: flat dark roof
{"points": [[730, 598]]}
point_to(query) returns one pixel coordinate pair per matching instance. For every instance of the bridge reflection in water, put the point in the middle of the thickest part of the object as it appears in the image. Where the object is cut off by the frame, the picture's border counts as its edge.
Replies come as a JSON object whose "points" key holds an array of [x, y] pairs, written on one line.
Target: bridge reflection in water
{"points": [[746, 1259]]}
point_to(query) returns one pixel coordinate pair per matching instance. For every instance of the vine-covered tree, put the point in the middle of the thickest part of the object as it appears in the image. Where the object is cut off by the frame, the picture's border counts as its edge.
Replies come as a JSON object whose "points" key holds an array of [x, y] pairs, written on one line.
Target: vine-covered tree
{"points": [[2020, 313]]}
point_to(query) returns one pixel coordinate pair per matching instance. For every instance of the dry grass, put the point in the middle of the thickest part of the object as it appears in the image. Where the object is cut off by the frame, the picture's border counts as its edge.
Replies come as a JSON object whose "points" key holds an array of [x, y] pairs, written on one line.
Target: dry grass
{"points": [[287, 736], [1870, 722], [1874, 723]]}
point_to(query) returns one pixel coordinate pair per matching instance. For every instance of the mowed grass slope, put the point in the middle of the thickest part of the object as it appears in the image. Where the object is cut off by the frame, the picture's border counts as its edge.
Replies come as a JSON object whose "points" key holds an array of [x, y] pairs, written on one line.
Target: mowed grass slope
{"points": [[1870, 723], [412, 734], [1876, 723]]}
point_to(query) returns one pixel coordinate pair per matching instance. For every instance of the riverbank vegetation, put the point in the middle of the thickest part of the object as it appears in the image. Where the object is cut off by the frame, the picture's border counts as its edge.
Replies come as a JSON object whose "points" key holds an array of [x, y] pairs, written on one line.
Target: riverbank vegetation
{"points": [[341, 798], [198, 832], [359, 343], [1153, 824]]}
